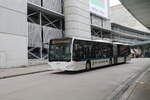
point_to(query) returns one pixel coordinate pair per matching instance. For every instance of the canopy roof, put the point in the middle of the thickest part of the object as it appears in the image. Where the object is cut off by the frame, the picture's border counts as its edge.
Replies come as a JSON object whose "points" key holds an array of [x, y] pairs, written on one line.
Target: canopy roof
{"points": [[140, 9]]}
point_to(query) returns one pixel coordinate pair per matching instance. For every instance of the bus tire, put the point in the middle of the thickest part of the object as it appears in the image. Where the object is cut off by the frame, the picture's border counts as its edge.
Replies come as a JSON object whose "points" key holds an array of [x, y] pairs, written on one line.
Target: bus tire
{"points": [[88, 66]]}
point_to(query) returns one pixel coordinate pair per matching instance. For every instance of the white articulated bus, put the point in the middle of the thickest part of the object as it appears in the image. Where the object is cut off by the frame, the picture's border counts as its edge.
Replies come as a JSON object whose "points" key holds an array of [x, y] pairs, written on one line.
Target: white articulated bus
{"points": [[74, 54]]}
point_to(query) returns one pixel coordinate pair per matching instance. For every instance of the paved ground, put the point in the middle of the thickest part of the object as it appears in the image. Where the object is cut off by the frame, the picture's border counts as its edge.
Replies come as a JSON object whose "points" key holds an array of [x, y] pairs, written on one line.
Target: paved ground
{"points": [[93, 85], [140, 90]]}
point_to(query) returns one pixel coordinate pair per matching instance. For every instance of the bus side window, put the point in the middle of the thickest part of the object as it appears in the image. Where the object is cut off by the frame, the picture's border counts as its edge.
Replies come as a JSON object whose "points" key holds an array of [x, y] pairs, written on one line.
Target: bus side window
{"points": [[87, 50], [77, 51], [123, 50], [82, 50]]}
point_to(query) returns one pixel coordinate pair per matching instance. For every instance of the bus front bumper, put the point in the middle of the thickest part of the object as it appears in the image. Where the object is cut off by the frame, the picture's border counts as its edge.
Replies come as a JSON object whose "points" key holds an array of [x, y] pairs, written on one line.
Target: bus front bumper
{"points": [[62, 66]]}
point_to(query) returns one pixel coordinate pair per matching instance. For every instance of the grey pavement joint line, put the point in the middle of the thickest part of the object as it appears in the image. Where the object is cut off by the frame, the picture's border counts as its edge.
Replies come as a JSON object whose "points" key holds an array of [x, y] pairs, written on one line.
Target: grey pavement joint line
{"points": [[121, 90], [13, 10], [22, 74], [6, 33], [129, 92]]}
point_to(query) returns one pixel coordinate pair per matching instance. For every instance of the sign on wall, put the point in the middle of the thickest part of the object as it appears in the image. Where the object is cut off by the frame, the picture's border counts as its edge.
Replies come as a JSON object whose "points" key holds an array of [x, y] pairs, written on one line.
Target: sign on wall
{"points": [[99, 7]]}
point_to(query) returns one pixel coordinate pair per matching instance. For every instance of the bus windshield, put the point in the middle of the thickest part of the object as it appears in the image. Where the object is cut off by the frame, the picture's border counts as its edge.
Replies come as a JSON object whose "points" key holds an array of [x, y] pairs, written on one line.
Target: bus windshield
{"points": [[60, 52]]}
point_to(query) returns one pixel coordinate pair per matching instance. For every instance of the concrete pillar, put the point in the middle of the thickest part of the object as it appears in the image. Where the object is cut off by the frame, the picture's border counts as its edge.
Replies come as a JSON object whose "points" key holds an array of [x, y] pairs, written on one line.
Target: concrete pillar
{"points": [[13, 33], [77, 18]]}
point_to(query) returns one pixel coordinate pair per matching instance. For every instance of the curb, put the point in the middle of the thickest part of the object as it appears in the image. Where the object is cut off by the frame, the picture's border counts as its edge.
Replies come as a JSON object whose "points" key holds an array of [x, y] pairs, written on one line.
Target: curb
{"points": [[24, 66], [23, 74], [121, 90]]}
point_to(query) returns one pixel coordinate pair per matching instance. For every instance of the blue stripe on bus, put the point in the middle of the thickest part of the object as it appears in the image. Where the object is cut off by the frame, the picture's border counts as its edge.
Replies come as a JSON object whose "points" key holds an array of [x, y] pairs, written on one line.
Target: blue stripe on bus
{"points": [[95, 59], [100, 58]]}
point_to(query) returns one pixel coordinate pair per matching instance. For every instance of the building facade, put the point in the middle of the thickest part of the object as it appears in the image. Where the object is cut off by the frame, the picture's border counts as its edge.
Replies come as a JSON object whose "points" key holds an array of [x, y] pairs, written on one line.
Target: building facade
{"points": [[13, 33], [125, 28], [128, 35], [120, 15], [27, 26]]}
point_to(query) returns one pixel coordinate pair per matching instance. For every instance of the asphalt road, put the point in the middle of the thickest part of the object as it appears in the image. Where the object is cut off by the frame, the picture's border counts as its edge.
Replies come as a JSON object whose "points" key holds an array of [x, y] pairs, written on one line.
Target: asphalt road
{"points": [[97, 84]]}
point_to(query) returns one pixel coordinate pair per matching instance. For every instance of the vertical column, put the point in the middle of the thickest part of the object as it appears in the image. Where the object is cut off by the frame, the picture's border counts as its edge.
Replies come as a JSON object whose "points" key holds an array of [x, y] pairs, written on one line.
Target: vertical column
{"points": [[41, 48], [77, 18]]}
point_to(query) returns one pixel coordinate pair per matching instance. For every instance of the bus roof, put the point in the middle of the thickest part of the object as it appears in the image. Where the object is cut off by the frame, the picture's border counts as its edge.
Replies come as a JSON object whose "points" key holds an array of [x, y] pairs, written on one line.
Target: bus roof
{"points": [[104, 41], [120, 43]]}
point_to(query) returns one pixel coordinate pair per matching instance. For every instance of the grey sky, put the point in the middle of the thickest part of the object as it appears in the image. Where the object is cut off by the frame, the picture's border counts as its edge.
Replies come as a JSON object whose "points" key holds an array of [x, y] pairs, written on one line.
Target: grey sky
{"points": [[114, 2]]}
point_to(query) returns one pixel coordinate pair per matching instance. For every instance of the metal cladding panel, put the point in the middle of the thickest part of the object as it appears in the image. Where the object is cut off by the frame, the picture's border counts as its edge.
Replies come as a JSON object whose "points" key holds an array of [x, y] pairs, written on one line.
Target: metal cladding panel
{"points": [[13, 50], [100, 22], [12, 22], [107, 24], [54, 5], [51, 33], [13, 33], [37, 2], [96, 21], [17, 5], [35, 39]]}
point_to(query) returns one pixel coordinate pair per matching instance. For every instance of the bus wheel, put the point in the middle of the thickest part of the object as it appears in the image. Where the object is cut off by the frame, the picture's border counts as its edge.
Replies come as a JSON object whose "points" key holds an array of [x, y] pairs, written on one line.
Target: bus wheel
{"points": [[88, 66]]}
